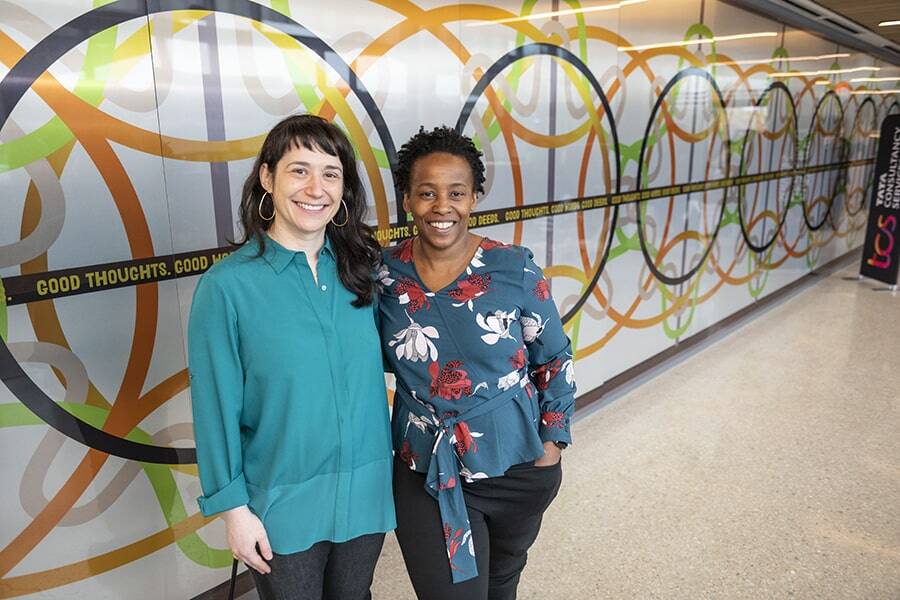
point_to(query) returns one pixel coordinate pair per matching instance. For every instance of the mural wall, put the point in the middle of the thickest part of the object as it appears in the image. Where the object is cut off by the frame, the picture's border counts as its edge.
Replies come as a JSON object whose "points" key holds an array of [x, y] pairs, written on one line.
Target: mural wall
{"points": [[669, 161]]}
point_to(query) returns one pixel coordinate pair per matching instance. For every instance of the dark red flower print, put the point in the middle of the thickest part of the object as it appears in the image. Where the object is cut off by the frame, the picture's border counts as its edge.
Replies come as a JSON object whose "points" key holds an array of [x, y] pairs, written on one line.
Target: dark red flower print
{"points": [[449, 485], [449, 382], [403, 251], [545, 373], [489, 244], [556, 420], [465, 441], [407, 455], [542, 290], [410, 293], [518, 359], [470, 288], [454, 540]]}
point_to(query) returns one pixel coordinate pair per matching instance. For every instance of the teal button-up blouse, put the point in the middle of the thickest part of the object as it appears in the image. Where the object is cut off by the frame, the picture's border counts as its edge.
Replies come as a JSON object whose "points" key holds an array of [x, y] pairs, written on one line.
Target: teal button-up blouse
{"points": [[289, 403]]}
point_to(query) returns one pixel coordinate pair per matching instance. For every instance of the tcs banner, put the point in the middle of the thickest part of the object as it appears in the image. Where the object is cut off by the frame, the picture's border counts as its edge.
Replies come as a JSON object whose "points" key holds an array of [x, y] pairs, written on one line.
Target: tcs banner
{"points": [[881, 251]]}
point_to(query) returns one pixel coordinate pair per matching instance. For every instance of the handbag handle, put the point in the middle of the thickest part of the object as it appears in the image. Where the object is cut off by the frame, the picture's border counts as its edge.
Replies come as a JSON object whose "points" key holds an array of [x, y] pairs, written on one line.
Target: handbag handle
{"points": [[234, 566]]}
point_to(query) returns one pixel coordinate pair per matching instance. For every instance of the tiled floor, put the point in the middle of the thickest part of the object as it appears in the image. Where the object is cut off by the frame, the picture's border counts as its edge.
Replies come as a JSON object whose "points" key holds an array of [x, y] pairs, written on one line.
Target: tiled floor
{"points": [[765, 466]]}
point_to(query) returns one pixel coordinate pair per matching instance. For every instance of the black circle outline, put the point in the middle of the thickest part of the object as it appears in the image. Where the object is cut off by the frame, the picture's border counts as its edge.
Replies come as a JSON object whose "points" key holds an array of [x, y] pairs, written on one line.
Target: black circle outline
{"points": [[19, 80], [869, 168], [838, 177], [690, 72], [757, 248], [542, 49]]}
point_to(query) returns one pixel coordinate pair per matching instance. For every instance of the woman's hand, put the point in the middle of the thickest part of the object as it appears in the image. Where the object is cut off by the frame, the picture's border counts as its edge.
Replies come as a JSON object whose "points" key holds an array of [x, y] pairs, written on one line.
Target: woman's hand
{"points": [[551, 456], [245, 531]]}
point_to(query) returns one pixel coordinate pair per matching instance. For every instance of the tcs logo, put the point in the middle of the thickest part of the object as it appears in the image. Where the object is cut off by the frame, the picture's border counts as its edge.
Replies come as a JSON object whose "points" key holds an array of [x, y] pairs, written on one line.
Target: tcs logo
{"points": [[884, 242]]}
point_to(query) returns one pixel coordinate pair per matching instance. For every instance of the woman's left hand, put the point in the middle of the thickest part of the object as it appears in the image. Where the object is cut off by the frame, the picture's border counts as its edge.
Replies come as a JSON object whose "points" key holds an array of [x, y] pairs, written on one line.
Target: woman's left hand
{"points": [[551, 456]]}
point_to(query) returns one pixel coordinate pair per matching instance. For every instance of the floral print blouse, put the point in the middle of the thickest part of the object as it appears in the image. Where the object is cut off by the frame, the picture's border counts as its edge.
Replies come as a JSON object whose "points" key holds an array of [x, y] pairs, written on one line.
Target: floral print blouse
{"points": [[484, 375]]}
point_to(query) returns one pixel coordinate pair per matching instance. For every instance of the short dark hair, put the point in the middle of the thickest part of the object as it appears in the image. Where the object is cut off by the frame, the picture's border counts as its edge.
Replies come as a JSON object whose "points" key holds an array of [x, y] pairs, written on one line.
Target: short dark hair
{"points": [[439, 139], [357, 252]]}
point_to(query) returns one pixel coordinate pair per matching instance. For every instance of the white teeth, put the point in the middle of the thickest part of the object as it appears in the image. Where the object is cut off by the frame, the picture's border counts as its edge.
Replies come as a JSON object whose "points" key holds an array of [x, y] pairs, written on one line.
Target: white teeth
{"points": [[312, 206], [441, 224]]}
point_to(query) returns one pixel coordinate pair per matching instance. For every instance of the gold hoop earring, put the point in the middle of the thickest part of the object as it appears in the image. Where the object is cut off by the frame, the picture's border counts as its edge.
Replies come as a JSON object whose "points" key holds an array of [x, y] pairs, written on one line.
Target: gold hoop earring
{"points": [[259, 208], [346, 210]]}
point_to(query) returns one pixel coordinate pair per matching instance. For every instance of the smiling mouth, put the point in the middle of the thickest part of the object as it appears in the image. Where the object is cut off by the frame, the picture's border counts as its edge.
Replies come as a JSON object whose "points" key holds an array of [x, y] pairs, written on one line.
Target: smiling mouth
{"points": [[311, 207], [441, 225]]}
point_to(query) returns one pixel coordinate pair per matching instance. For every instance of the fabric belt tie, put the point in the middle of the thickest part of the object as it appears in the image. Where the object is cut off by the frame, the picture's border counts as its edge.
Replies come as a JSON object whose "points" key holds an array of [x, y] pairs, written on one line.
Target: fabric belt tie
{"points": [[443, 479]]}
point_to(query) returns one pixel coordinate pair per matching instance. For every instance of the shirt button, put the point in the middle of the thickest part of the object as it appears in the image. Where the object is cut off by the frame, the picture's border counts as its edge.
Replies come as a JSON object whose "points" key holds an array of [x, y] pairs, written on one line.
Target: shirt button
{"points": [[324, 288]]}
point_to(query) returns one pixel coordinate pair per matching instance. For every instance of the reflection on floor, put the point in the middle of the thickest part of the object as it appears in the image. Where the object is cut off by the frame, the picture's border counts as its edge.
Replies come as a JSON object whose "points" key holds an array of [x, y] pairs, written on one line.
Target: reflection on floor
{"points": [[767, 465]]}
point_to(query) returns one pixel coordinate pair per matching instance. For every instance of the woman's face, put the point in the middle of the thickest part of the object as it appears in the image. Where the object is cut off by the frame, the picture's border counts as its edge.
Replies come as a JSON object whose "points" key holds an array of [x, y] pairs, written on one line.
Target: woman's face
{"points": [[306, 187], [441, 196]]}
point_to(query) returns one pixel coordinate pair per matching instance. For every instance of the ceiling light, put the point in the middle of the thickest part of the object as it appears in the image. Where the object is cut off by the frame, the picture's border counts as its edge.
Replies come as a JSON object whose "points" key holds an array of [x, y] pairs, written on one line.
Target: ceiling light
{"points": [[760, 61], [824, 72], [712, 40], [888, 23], [873, 79], [874, 92], [557, 13]]}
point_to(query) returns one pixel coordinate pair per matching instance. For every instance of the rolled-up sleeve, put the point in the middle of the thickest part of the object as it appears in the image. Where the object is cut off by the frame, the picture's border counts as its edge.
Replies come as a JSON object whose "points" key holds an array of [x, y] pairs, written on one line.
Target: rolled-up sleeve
{"points": [[550, 361], [217, 384]]}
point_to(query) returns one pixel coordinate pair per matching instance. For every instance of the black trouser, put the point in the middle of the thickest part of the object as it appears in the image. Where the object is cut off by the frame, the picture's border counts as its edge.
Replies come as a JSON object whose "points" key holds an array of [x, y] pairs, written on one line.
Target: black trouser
{"points": [[505, 515], [327, 571]]}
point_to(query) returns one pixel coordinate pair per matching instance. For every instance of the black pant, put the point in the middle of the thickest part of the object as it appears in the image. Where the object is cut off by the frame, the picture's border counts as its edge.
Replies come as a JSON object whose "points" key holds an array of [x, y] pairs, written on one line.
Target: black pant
{"points": [[327, 571], [505, 515]]}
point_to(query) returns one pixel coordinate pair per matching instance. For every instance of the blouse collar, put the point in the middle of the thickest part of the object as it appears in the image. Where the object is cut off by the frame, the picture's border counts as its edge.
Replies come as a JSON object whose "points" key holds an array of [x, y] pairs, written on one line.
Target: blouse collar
{"points": [[279, 257]]}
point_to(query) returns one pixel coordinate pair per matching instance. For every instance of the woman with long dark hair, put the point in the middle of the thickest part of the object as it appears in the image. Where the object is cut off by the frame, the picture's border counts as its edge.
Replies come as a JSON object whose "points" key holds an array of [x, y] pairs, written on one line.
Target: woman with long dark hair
{"points": [[290, 411], [485, 385]]}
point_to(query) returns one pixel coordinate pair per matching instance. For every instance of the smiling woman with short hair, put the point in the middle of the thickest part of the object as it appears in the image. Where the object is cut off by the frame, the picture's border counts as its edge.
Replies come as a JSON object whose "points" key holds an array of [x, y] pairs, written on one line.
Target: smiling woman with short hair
{"points": [[485, 387]]}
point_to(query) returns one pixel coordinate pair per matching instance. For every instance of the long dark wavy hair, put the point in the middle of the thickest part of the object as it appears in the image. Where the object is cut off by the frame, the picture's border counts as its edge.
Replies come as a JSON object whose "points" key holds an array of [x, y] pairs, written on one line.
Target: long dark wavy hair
{"points": [[358, 254]]}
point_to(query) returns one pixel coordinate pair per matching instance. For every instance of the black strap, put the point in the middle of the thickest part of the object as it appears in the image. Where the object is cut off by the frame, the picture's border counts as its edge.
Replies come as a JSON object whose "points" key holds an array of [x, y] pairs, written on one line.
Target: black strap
{"points": [[234, 566]]}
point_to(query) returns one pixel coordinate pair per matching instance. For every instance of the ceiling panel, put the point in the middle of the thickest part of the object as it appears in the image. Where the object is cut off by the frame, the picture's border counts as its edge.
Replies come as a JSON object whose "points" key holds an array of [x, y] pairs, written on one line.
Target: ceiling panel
{"points": [[868, 13]]}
